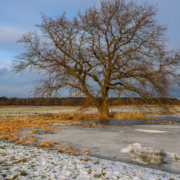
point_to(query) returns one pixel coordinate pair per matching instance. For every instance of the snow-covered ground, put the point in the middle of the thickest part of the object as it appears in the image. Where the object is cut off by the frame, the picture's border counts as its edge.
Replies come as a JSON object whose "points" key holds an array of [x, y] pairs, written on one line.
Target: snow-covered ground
{"points": [[23, 162]]}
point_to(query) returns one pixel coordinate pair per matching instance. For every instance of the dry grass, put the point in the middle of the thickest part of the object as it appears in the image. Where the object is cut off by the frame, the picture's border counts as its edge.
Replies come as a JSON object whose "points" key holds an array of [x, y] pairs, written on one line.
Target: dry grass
{"points": [[130, 115], [168, 122], [32, 139], [32, 124], [148, 157], [71, 116], [94, 116], [69, 150], [11, 127], [85, 151], [45, 143]]}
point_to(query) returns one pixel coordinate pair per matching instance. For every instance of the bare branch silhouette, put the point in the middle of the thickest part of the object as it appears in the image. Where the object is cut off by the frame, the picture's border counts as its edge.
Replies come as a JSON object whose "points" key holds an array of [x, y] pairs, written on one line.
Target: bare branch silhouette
{"points": [[118, 47]]}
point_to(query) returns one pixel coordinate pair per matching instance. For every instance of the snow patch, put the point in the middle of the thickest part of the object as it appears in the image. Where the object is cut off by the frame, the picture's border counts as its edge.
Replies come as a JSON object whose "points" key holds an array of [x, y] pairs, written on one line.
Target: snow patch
{"points": [[149, 155], [130, 147], [150, 131], [44, 164]]}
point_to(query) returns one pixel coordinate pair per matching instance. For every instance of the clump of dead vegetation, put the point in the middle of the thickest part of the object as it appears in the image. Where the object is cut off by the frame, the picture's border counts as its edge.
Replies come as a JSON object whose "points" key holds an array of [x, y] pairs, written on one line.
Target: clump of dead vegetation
{"points": [[94, 116], [10, 129], [72, 116], [129, 116]]}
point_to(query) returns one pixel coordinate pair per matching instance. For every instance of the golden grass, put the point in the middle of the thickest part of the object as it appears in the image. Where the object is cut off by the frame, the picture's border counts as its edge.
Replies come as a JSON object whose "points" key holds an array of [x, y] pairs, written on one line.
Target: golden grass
{"points": [[95, 116], [71, 116], [32, 139], [67, 117], [67, 149], [130, 116], [85, 151], [45, 143], [11, 127]]}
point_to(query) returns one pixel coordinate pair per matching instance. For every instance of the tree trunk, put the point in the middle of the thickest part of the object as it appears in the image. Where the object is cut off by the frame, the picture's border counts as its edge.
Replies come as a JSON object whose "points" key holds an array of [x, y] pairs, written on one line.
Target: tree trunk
{"points": [[104, 111]]}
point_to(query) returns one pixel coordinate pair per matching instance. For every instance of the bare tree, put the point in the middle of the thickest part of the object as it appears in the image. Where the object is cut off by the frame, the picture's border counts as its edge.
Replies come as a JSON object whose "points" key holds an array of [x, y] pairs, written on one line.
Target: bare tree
{"points": [[119, 47]]}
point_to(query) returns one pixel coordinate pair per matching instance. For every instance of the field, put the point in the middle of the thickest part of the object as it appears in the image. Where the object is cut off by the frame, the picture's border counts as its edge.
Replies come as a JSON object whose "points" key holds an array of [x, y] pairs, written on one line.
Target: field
{"points": [[23, 125], [24, 119], [38, 110]]}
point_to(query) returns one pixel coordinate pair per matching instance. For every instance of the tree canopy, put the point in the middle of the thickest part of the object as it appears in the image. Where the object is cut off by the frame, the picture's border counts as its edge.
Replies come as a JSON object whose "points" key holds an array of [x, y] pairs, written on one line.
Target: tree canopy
{"points": [[117, 48]]}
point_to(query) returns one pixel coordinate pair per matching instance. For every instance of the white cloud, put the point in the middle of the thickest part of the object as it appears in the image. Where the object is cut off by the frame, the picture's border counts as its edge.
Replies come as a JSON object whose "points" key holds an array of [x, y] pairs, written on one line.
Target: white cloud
{"points": [[10, 34], [8, 38]]}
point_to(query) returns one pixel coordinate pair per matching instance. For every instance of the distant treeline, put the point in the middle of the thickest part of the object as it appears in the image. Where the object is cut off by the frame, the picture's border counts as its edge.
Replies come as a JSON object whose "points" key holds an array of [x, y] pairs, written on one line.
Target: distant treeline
{"points": [[79, 101]]}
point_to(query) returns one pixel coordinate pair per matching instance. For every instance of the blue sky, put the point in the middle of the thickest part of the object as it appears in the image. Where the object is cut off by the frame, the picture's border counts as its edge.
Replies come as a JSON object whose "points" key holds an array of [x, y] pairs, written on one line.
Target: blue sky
{"points": [[17, 17]]}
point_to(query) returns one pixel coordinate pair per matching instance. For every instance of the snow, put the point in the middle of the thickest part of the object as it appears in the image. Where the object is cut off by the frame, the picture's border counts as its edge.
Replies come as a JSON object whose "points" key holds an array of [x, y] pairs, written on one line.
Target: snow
{"points": [[150, 131], [154, 155], [25, 162], [130, 147]]}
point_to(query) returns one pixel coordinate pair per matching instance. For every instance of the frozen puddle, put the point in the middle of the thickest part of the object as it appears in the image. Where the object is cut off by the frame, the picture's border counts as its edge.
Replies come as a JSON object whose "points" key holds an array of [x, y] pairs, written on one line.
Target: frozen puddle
{"points": [[23, 162], [148, 155], [150, 131]]}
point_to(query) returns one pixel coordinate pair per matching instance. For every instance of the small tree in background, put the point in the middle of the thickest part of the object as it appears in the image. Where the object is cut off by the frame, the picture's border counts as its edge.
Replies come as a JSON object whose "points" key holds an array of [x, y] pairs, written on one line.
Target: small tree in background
{"points": [[118, 48]]}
